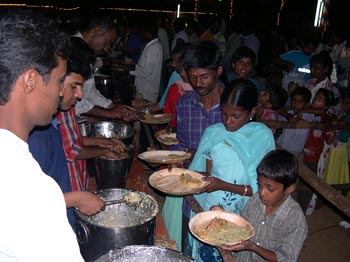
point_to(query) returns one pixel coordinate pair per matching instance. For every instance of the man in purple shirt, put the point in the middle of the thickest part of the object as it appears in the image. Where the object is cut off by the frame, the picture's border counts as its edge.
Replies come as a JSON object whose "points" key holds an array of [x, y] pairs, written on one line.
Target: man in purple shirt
{"points": [[199, 108], [195, 111]]}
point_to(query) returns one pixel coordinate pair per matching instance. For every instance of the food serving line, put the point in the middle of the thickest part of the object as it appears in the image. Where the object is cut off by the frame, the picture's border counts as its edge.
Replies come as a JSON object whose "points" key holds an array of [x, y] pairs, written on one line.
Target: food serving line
{"points": [[132, 222]]}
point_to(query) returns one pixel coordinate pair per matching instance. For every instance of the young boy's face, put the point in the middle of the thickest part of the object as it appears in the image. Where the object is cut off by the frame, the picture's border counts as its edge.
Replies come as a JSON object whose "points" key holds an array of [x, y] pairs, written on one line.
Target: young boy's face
{"points": [[271, 193], [243, 67], [298, 102]]}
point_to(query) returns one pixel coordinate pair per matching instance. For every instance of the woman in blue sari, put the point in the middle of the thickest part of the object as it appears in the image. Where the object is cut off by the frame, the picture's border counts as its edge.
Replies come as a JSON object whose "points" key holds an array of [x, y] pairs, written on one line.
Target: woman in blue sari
{"points": [[229, 153]]}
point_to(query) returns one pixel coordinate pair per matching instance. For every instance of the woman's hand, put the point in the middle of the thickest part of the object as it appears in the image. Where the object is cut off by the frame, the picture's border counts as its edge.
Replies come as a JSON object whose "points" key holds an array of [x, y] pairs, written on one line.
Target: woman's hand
{"points": [[214, 185]]}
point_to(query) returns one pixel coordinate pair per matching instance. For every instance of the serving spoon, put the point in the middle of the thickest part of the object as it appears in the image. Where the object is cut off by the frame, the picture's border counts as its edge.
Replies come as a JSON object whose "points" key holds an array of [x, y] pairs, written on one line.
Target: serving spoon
{"points": [[132, 199]]}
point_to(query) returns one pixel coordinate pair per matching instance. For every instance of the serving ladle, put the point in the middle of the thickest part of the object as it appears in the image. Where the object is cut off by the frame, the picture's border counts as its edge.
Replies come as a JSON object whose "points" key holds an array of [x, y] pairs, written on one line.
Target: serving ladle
{"points": [[131, 199]]}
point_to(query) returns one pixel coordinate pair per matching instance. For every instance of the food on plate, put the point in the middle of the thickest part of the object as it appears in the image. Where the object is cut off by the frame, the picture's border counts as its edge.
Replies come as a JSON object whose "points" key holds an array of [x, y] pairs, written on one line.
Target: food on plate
{"points": [[220, 231], [168, 139], [188, 180], [175, 156]]}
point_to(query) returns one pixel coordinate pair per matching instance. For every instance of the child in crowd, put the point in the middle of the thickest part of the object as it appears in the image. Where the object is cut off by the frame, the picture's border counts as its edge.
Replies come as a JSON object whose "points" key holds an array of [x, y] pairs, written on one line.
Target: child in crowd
{"points": [[337, 170], [294, 140], [271, 99], [279, 223], [316, 141], [314, 144], [243, 65]]}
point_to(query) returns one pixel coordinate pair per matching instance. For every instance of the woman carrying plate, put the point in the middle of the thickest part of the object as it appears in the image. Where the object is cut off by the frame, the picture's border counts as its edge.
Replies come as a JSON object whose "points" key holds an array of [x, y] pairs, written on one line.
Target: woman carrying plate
{"points": [[229, 153]]}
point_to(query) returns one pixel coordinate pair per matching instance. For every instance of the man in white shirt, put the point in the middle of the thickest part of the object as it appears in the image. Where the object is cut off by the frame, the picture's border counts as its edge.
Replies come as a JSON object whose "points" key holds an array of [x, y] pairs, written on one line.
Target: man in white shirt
{"points": [[149, 67], [98, 36], [33, 224]]}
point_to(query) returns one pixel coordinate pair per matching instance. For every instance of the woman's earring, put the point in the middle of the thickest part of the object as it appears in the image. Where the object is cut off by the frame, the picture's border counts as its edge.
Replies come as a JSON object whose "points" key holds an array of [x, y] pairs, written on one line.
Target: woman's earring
{"points": [[250, 118]]}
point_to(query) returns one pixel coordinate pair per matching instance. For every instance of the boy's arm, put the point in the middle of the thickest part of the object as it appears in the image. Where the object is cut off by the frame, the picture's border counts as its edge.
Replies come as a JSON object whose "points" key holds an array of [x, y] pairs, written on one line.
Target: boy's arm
{"points": [[248, 245]]}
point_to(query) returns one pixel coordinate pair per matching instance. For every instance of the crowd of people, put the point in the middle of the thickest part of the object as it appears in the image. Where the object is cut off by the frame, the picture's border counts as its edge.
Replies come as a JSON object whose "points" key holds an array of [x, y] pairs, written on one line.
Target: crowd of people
{"points": [[217, 96]]}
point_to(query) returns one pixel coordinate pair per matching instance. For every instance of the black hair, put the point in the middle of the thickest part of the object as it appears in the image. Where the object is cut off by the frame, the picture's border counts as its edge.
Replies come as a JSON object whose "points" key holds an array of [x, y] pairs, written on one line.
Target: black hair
{"points": [[240, 93], [204, 54], [323, 58], [278, 96], [280, 166], [179, 24], [302, 91], [80, 59], [329, 97], [104, 23], [243, 52], [28, 40]]}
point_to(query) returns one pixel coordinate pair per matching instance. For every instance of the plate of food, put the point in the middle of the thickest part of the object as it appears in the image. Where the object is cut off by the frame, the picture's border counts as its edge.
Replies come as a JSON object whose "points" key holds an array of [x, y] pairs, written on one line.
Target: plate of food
{"points": [[168, 139], [155, 119], [177, 181], [220, 227], [164, 156]]}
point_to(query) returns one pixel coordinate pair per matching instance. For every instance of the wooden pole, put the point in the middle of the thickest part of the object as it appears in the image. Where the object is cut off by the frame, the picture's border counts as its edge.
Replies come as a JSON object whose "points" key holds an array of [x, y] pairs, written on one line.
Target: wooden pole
{"points": [[321, 187]]}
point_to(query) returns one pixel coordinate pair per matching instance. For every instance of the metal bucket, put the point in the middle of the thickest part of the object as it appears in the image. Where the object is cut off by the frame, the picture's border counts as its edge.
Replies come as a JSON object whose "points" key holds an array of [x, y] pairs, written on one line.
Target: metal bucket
{"points": [[117, 226], [112, 173], [123, 132], [144, 254], [84, 128], [105, 85]]}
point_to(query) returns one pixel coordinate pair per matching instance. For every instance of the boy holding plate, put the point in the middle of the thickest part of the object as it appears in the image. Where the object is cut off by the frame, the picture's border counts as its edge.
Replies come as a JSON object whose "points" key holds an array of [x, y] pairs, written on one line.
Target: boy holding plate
{"points": [[279, 223]]}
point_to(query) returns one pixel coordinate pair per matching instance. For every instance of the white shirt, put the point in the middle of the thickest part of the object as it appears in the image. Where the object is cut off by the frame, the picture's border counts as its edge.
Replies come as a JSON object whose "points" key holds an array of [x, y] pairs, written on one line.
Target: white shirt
{"points": [[183, 35], [148, 70], [164, 40], [33, 222], [91, 96]]}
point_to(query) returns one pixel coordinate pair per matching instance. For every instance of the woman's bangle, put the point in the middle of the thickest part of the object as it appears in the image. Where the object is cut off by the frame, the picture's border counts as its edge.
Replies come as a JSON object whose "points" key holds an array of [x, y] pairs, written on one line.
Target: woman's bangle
{"points": [[245, 190]]}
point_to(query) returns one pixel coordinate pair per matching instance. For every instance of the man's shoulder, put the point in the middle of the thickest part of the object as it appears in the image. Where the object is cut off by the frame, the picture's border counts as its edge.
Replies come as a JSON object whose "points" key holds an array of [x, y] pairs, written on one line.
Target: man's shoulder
{"points": [[186, 98]]}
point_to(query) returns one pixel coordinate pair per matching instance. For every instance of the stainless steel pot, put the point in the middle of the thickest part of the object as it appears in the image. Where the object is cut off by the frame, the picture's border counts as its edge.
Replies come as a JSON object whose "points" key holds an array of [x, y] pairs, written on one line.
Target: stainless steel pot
{"points": [[123, 132], [117, 226], [112, 173], [143, 254]]}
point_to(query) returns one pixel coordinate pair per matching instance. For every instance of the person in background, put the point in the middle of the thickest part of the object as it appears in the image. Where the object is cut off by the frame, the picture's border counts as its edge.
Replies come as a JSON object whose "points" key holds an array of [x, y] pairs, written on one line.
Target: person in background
{"points": [[97, 37], [149, 67], [294, 140], [299, 60], [316, 141], [180, 36], [192, 31], [45, 143], [270, 100], [219, 38], [279, 223], [33, 64], [321, 69], [164, 38], [175, 75], [242, 65], [337, 169], [229, 153], [195, 111], [233, 42], [179, 88]]}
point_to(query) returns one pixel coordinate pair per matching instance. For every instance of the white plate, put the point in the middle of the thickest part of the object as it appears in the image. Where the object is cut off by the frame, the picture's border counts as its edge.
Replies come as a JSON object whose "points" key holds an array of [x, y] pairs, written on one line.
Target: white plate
{"points": [[204, 218], [157, 119], [168, 139], [171, 182], [164, 156]]}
